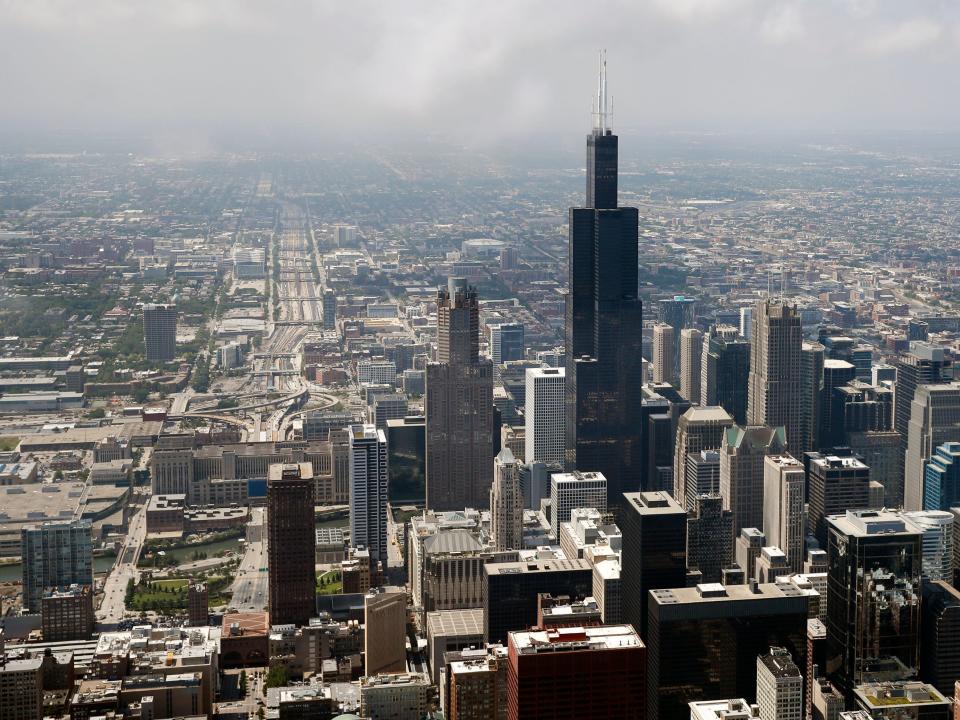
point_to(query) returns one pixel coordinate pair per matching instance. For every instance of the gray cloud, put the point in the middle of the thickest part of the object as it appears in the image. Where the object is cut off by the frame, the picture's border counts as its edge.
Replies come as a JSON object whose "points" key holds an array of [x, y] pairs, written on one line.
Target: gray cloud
{"points": [[479, 71]]}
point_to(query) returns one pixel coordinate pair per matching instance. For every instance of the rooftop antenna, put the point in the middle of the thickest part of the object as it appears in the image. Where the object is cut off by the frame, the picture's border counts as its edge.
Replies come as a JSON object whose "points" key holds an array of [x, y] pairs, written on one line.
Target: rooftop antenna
{"points": [[601, 113], [783, 273], [769, 281]]}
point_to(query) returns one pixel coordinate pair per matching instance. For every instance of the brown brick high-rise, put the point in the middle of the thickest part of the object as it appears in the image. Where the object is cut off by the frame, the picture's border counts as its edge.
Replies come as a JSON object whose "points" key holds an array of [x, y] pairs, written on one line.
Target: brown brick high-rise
{"points": [[459, 406], [291, 540]]}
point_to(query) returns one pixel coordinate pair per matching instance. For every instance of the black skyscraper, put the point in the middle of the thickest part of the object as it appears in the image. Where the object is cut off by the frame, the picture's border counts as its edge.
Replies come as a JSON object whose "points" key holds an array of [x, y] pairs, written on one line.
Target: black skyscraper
{"points": [[603, 323]]}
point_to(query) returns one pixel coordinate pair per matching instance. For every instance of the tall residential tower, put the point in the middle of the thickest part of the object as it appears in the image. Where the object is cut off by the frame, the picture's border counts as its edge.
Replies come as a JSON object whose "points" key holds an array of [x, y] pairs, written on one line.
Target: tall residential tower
{"points": [[291, 543], [160, 332]]}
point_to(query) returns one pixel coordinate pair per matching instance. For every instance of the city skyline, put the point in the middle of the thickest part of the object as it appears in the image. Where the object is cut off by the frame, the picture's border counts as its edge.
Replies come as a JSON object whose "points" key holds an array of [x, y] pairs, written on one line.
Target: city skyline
{"points": [[439, 430]]}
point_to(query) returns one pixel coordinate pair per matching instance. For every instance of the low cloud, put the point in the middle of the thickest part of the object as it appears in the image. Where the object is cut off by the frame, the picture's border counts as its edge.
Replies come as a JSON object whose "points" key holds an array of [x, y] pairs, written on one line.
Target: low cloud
{"points": [[906, 36], [475, 71]]}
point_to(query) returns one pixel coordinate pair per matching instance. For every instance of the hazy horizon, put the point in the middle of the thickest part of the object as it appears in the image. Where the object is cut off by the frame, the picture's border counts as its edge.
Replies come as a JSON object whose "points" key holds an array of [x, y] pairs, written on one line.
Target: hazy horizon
{"points": [[202, 76]]}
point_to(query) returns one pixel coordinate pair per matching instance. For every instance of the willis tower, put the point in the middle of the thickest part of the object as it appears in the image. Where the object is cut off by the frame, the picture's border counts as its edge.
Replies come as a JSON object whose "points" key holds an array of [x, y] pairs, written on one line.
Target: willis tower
{"points": [[603, 322]]}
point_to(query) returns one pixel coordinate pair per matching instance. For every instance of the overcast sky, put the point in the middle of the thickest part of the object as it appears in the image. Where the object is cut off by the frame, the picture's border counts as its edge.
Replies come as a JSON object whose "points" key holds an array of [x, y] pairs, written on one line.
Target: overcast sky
{"points": [[479, 71]]}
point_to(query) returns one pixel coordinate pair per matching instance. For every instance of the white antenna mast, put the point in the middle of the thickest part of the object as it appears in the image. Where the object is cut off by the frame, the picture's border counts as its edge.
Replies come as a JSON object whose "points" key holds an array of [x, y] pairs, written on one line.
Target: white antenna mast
{"points": [[602, 111]]}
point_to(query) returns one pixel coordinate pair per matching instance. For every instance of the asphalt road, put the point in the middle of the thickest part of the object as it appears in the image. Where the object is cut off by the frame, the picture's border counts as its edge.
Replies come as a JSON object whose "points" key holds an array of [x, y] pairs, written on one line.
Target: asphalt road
{"points": [[250, 587], [111, 610]]}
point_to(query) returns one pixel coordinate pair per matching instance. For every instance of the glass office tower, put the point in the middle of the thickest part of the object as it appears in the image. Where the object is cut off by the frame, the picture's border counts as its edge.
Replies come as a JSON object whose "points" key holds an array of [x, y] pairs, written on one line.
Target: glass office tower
{"points": [[603, 323]]}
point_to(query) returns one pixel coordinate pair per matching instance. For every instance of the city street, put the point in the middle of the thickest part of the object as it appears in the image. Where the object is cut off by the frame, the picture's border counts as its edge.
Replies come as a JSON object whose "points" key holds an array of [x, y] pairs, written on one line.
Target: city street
{"points": [[250, 588], [111, 610]]}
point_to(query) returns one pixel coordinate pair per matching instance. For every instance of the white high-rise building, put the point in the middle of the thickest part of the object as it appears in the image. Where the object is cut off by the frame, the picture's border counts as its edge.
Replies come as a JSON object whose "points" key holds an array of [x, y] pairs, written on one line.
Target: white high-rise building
{"points": [[934, 420], [664, 350], [545, 417], [506, 503], [376, 372], [936, 545], [575, 490], [746, 322], [783, 520], [368, 490], [779, 686]]}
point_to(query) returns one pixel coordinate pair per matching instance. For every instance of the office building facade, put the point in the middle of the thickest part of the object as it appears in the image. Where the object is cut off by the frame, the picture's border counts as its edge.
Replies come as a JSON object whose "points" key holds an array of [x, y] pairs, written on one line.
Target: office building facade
{"points": [[459, 406], [934, 420], [742, 454], [774, 386], [709, 538], [385, 636], [575, 490], [511, 589], [604, 323], [680, 313], [941, 478], [545, 416], [198, 604], [699, 428], [836, 375], [873, 588], [937, 543], [160, 332], [407, 458], [55, 554], [67, 613], [812, 357], [691, 357], [783, 507], [779, 686], [291, 543], [587, 672], [368, 490], [835, 484], [506, 503], [725, 371], [925, 364], [940, 638], [664, 350], [329, 309], [506, 342], [653, 528], [703, 642]]}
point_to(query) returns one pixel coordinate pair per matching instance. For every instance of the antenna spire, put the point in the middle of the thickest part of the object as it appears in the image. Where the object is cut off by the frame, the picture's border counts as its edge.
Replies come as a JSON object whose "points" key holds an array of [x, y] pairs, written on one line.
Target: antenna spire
{"points": [[601, 115]]}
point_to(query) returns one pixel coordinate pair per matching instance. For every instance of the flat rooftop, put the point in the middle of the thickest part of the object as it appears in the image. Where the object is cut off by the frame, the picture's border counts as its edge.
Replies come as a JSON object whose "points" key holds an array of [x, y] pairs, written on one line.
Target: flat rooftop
{"points": [[40, 502], [395, 680], [899, 694], [535, 566], [654, 503], [836, 461], [863, 523], [446, 623], [604, 637], [727, 598]]}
